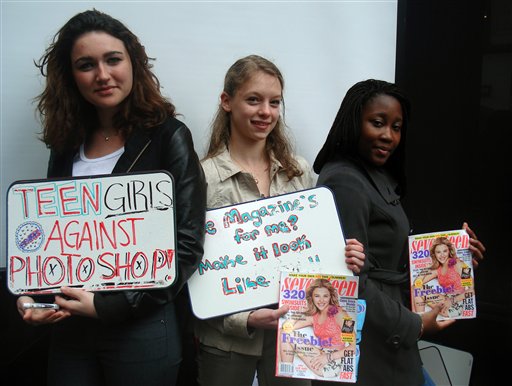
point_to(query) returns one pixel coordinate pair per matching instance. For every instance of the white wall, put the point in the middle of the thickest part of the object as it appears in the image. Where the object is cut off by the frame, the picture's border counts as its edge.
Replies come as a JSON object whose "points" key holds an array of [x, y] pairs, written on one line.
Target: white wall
{"points": [[322, 48]]}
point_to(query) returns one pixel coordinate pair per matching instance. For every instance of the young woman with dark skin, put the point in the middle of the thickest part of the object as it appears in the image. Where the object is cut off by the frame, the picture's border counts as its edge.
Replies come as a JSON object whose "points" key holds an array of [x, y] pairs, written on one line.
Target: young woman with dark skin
{"points": [[362, 161]]}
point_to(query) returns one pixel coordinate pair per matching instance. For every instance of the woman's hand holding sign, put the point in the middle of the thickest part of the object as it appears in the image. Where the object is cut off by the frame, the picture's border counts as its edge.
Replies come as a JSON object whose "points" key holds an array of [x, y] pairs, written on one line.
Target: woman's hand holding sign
{"points": [[79, 302], [354, 255]]}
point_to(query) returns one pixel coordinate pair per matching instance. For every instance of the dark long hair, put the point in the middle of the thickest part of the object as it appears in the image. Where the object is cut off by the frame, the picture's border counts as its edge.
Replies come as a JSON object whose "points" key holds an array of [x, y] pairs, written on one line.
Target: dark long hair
{"points": [[66, 117], [343, 138]]}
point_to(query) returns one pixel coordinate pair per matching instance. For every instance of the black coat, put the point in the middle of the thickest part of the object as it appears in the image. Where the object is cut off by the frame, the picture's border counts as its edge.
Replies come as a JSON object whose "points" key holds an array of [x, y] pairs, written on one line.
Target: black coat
{"points": [[166, 147], [371, 212]]}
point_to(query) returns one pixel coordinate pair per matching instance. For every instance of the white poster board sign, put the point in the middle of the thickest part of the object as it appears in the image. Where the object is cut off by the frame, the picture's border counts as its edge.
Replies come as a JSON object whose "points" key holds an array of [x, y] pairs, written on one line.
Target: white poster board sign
{"points": [[109, 232], [249, 244]]}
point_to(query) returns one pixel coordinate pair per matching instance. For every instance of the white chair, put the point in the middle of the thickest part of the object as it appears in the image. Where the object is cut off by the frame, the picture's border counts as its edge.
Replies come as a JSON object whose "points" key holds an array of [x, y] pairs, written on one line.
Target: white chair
{"points": [[446, 366]]}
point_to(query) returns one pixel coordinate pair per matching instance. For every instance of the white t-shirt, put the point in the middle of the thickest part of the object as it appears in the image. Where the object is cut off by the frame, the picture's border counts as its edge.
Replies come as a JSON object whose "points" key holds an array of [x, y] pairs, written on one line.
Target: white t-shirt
{"points": [[83, 166]]}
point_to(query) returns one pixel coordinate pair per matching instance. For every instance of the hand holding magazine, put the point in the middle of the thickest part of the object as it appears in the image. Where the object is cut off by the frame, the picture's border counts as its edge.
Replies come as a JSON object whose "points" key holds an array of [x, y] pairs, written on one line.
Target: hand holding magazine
{"points": [[441, 270], [317, 337]]}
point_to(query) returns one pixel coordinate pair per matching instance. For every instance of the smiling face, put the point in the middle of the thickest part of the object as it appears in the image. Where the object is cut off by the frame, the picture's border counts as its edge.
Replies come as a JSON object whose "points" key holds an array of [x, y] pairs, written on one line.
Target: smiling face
{"points": [[381, 129], [442, 253], [321, 298], [102, 70], [255, 107]]}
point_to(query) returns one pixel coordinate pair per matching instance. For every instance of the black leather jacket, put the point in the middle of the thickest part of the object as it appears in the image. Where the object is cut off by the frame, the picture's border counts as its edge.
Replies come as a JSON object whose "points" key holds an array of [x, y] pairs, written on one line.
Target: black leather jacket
{"points": [[167, 147]]}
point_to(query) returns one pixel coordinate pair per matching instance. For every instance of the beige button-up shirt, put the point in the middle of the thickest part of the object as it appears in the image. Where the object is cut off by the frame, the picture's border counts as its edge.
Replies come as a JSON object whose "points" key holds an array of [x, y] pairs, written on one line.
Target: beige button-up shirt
{"points": [[228, 184]]}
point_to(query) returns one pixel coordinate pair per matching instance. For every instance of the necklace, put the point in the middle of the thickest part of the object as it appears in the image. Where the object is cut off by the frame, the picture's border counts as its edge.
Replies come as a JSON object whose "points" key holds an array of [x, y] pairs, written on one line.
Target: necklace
{"points": [[107, 136], [251, 174], [246, 169]]}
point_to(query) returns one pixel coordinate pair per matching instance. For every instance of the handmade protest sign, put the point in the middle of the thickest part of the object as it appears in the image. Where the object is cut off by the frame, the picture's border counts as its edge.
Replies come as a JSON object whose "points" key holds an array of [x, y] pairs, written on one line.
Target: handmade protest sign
{"points": [[249, 244], [97, 233]]}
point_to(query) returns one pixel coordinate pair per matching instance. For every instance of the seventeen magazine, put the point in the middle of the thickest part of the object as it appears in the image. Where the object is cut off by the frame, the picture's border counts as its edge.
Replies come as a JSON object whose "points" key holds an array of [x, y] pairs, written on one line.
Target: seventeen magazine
{"points": [[316, 338], [441, 270]]}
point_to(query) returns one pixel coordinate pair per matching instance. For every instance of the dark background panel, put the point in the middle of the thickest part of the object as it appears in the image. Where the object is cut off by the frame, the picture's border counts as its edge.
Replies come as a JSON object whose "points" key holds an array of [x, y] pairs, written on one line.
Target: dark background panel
{"points": [[454, 59]]}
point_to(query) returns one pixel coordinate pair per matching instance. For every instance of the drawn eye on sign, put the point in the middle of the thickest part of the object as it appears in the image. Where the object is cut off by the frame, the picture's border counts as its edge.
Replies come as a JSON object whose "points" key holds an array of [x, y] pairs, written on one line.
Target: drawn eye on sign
{"points": [[108, 232]]}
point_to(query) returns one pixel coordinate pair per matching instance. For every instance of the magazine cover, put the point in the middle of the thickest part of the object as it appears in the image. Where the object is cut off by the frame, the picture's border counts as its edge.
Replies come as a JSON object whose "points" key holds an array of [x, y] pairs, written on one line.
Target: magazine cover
{"points": [[316, 338], [441, 270]]}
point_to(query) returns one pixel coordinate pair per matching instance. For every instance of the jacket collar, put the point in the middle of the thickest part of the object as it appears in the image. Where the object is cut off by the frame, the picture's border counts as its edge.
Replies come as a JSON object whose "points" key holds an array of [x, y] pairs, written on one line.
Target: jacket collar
{"points": [[228, 168], [384, 183], [133, 148]]}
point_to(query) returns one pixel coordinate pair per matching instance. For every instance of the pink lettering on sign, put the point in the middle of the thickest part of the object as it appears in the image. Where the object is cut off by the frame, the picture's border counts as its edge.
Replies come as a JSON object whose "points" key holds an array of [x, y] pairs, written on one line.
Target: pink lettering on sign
{"points": [[96, 233], [73, 268]]}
